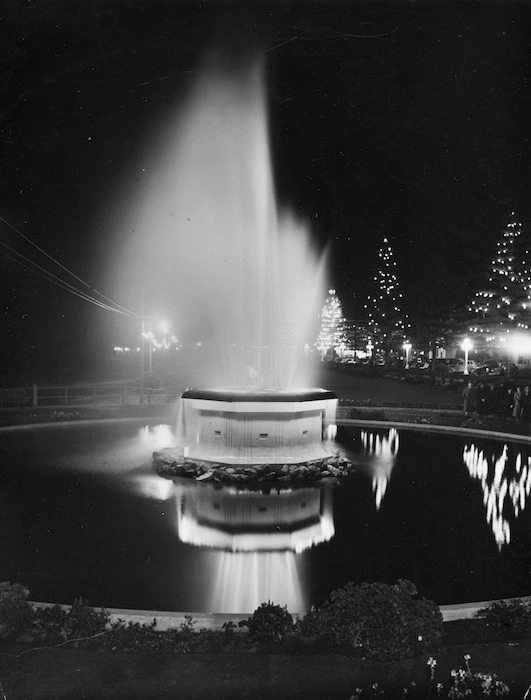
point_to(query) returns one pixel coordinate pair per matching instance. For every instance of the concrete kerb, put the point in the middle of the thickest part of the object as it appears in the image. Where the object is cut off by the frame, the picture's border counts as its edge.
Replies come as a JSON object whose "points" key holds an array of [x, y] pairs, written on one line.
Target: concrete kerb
{"points": [[426, 427], [77, 423], [215, 621]]}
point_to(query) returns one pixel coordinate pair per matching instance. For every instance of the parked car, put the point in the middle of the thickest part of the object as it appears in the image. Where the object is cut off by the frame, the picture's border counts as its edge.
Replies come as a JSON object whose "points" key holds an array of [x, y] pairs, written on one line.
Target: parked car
{"points": [[458, 365], [491, 367], [496, 368], [423, 363]]}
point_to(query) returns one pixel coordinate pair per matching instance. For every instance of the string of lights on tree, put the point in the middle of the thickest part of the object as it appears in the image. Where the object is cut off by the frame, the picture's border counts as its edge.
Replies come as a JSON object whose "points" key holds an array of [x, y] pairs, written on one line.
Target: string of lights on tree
{"points": [[504, 303], [387, 322], [331, 335]]}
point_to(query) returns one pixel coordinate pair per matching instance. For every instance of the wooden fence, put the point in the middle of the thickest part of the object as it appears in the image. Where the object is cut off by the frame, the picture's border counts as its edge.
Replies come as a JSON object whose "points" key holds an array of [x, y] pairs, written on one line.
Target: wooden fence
{"points": [[80, 396]]}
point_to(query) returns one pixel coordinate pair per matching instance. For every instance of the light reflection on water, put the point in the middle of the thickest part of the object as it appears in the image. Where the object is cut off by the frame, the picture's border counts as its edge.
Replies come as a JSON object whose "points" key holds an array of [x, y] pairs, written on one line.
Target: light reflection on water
{"points": [[384, 448], [506, 482], [157, 436], [116, 455]]}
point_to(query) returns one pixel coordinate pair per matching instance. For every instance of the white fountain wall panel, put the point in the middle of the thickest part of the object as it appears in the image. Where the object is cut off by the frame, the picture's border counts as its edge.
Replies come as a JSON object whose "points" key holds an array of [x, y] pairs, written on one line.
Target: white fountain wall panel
{"points": [[257, 432]]}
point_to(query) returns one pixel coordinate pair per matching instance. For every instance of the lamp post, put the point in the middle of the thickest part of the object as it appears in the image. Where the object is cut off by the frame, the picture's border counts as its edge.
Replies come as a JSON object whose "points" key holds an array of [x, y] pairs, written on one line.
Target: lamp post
{"points": [[407, 348], [150, 346], [342, 347], [467, 346]]}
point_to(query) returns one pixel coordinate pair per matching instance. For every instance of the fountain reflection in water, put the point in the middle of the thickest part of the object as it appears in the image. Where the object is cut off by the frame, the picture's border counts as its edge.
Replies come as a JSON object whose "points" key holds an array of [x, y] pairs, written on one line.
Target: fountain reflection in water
{"points": [[244, 580], [255, 540], [203, 235], [504, 493]]}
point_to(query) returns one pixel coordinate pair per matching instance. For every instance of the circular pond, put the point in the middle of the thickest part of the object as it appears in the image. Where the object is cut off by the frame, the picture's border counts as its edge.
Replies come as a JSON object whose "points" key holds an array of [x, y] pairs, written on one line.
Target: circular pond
{"points": [[83, 515]]}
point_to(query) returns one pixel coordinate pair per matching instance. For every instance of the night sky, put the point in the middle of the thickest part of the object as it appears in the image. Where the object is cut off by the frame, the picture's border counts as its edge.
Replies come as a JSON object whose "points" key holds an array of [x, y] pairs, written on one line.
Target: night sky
{"points": [[404, 119]]}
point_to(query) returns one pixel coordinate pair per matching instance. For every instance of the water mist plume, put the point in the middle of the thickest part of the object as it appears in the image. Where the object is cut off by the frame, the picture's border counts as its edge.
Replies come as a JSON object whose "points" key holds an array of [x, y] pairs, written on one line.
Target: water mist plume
{"points": [[203, 235]]}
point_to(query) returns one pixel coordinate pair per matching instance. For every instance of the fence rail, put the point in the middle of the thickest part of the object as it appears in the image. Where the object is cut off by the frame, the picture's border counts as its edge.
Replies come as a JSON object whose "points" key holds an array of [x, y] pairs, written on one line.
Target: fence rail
{"points": [[80, 396]]}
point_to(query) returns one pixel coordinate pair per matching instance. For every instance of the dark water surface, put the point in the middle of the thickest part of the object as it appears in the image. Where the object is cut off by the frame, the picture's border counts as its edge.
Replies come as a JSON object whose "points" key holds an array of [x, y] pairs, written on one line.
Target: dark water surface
{"points": [[83, 515]]}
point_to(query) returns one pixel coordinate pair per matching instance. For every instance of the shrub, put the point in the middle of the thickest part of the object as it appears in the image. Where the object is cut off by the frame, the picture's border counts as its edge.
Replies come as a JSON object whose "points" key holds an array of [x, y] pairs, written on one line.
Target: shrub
{"points": [[57, 625], [51, 623], [385, 622], [83, 621], [514, 615], [269, 623], [16, 614], [134, 636]]}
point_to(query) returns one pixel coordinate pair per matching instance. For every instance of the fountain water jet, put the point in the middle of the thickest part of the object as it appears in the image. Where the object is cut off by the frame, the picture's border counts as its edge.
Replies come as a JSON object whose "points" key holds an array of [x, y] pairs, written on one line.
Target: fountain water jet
{"points": [[202, 234]]}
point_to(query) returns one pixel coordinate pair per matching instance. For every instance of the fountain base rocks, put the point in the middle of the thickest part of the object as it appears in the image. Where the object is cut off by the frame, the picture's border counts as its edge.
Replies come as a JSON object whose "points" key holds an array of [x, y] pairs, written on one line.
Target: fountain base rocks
{"points": [[237, 435]]}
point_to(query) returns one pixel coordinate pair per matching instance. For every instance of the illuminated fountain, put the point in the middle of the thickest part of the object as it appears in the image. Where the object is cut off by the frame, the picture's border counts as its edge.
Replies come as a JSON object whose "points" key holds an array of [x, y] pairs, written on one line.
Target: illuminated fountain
{"points": [[206, 238]]}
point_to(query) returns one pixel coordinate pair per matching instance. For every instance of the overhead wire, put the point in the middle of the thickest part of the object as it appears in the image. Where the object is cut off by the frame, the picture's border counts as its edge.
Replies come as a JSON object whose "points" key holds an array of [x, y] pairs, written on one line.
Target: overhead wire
{"points": [[46, 274], [119, 306], [62, 286]]}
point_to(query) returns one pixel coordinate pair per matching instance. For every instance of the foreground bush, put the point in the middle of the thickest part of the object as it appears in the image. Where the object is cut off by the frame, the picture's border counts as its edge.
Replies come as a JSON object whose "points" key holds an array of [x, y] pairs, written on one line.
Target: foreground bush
{"points": [[81, 622], [269, 623], [16, 614], [383, 622], [513, 615]]}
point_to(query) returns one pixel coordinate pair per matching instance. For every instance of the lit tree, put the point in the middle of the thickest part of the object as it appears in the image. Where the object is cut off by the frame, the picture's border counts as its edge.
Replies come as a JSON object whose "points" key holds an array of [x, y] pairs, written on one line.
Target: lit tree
{"points": [[331, 336], [388, 324], [504, 302]]}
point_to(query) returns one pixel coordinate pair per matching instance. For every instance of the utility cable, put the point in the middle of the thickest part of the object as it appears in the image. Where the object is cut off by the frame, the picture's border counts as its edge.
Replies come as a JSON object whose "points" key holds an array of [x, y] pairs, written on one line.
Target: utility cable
{"points": [[128, 311], [50, 277], [64, 285]]}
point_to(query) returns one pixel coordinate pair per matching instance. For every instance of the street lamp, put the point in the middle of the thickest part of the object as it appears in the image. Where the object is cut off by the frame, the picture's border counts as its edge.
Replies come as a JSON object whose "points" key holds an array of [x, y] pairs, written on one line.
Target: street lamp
{"points": [[520, 344], [407, 348], [467, 346]]}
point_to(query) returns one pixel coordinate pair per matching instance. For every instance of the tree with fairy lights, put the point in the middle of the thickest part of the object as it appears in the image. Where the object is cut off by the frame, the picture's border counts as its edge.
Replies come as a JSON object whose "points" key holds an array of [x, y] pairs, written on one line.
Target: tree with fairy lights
{"points": [[504, 302], [387, 322], [331, 337]]}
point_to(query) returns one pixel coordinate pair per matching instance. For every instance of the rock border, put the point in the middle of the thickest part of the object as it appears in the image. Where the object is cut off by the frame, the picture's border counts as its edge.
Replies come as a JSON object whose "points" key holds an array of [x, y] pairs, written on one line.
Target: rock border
{"points": [[170, 463]]}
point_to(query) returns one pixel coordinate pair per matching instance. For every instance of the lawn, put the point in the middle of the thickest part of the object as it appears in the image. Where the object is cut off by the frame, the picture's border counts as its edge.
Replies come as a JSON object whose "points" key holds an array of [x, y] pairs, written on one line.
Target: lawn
{"points": [[63, 674], [381, 391]]}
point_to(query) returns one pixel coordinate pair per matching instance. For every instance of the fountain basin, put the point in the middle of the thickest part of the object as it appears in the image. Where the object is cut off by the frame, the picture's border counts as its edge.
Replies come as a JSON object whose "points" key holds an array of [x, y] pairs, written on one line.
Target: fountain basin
{"points": [[257, 427]]}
